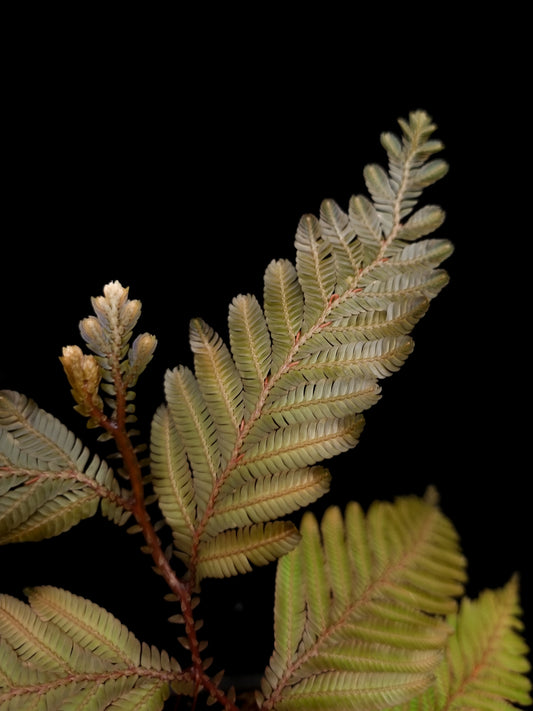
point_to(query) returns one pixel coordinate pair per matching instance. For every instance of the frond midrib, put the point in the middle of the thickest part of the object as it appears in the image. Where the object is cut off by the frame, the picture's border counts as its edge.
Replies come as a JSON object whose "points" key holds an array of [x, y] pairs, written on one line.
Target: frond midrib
{"points": [[95, 678], [494, 642]]}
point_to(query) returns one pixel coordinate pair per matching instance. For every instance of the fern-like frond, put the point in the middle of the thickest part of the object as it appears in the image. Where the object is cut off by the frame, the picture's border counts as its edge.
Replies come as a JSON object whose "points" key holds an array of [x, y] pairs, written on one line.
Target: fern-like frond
{"points": [[269, 497], [398, 319], [360, 607], [365, 221], [251, 347], [347, 251], [284, 308], [290, 390], [172, 480], [237, 550], [197, 430], [487, 657], [219, 382], [49, 481], [485, 667], [378, 359], [316, 269], [317, 400], [296, 446], [410, 170], [62, 651]]}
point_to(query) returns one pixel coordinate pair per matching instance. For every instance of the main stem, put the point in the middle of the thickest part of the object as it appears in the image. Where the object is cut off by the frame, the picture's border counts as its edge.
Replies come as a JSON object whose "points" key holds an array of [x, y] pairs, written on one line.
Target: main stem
{"points": [[181, 589]]}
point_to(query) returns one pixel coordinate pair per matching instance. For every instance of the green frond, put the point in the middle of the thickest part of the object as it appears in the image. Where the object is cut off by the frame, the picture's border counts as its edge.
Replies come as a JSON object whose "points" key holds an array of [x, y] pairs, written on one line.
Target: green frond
{"points": [[421, 223], [315, 267], [337, 229], [485, 667], [251, 347], [196, 428], [49, 482], [343, 691], [366, 223], [396, 192], [383, 195], [487, 657], [172, 479], [62, 651], [374, 591], [284, 307], [364, 359], [296, 446], [289, 612], [288, 392], [378, 293], [219, 383], [37, 644], [398, 319], [87, 624], [269, 497], [318, 400], [416, 257], [237, 550], [150, 697]]}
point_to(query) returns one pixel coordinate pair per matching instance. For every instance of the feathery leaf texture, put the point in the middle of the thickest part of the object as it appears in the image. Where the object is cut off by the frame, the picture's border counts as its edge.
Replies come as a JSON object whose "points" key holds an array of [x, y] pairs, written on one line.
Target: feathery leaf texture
{"points": [[361, 605], [48, 482], [288, 391], [63, 651], [485, 667]]}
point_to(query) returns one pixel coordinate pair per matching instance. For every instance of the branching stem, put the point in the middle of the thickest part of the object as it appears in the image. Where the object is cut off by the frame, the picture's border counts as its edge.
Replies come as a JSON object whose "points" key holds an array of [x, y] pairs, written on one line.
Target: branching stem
{"points": [[181, 589]]}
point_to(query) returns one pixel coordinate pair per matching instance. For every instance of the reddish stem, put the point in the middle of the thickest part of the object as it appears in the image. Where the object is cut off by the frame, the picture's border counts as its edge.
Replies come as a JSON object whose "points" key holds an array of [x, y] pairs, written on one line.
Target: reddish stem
{"points": [[181, 589]]}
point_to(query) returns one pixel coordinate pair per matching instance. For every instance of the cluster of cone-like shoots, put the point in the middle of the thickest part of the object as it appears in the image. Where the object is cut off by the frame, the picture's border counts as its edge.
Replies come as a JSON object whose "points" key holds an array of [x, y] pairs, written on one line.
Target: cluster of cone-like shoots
{"points": [[116, 364]]}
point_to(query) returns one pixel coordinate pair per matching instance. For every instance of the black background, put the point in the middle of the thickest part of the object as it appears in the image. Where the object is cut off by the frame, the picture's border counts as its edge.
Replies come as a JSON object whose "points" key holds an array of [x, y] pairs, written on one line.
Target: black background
{"points": [[176, 154]]}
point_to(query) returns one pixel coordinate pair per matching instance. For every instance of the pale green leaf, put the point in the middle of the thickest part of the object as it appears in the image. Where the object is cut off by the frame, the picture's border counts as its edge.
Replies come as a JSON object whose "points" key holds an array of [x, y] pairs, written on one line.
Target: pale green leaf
{"points": [[172, 479], [376, 589], [424, 221], [487, 654], [486, 666], [90, 626], [321, 399], [365, 359], [367, 224], [197, 430], [346, 691], [62, 651], [297, 446], [236, 551], [337, 228], [284, 306], [378, 293], [268, 497], [289, 608], [219, 382], [398, 318], [316, 269], [250, 346], [49, 481]]}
